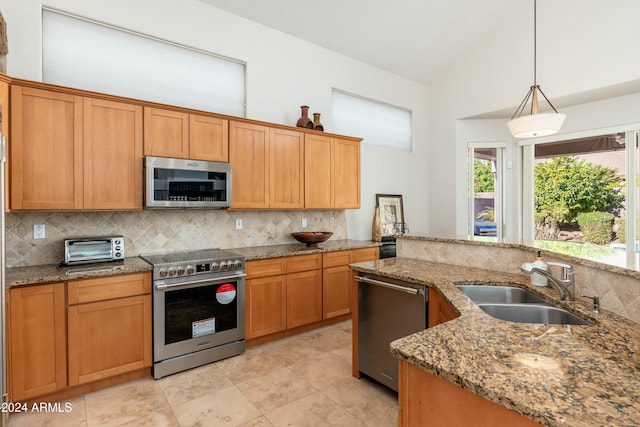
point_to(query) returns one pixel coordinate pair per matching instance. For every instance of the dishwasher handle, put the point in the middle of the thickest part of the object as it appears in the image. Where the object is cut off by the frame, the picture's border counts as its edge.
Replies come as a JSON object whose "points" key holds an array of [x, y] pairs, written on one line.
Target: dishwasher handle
{"points": [[408, 290]]}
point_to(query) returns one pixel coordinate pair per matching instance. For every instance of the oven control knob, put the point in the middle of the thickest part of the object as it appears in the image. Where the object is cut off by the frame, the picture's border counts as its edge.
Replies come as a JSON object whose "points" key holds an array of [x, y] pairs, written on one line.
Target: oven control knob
{"points": [[180, 271], [223, 265], [172, 271], [191, 269], [237, 263], [215, 266], [163, 272]]}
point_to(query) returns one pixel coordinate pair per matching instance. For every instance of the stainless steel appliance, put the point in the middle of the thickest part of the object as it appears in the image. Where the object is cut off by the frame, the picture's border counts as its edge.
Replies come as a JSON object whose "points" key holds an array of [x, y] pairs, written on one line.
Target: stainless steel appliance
{"points": [[388, 309], [93, 249], [181, 183], [198, 308]]}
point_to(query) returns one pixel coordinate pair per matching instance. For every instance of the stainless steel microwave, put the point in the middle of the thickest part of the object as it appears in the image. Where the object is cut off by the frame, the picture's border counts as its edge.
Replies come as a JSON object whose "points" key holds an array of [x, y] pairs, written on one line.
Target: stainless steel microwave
{"points": [[181, 183]]}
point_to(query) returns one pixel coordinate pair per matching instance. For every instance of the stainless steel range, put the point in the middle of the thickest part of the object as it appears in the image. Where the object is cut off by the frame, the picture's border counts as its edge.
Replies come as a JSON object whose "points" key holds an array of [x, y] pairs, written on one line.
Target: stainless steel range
{"points": [[198, 308]]}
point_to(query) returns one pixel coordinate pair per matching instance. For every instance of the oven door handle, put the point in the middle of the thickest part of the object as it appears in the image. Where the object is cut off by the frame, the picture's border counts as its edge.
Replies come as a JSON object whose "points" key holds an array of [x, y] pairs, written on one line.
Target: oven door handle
{"points": [[195, 282]]}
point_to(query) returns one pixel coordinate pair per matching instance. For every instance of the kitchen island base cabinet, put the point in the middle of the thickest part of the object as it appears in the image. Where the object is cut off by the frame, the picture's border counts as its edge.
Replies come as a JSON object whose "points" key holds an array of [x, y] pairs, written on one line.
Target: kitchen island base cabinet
{"points": [[426, 399], [36, 341]]}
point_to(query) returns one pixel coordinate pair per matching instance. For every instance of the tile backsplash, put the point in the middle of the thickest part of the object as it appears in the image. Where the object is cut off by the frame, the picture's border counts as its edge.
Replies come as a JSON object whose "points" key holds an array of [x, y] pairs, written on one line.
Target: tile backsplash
{"points": [[160, 230]]}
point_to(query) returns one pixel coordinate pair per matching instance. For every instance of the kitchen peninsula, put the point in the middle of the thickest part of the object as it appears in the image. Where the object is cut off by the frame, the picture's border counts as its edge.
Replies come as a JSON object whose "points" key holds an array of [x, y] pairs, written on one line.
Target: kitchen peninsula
{"points": [[551, 374]]}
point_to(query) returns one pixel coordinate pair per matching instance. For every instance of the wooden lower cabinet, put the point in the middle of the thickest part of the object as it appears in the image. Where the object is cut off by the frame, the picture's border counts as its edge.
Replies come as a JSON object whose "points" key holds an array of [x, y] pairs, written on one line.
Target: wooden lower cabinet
{"points": [[304, 298], [265, 306], [102, 337], [36, 341], [336, 279], [426, 399], [440, 310]]}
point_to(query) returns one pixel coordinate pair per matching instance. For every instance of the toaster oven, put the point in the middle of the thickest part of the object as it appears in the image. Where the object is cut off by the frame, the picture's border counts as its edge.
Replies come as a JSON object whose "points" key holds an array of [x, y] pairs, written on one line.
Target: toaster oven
{"points": [[88, 250]]}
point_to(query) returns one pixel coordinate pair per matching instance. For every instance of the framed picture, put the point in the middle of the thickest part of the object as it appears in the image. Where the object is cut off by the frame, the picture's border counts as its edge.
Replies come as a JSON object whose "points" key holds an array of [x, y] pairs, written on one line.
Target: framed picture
{"points": [[391, 214]]}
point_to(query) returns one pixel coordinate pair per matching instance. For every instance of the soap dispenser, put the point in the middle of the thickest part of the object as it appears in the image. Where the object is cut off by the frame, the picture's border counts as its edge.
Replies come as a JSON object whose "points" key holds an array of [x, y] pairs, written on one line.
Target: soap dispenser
{"points": [[538, 279]]}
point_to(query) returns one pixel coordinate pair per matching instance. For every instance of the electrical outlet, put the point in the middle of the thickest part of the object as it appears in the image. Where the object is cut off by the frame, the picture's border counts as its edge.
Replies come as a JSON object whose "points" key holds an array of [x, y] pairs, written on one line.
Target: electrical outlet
{"points": [[38, 231], [332, 221], [304, 222], [238, 223]]}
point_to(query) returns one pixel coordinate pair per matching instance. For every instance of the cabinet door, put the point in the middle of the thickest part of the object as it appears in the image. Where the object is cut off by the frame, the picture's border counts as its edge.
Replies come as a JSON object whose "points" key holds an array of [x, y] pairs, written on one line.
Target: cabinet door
{"points": [[108, 338], [249, 157], [46, 150], [5, 112], [166, 133], [365, 254], [286, 166], [36, 339], [318, 172], [265, 306], [336, 291], [208, 138], [112, 155], [346, 172], [304, 298]]}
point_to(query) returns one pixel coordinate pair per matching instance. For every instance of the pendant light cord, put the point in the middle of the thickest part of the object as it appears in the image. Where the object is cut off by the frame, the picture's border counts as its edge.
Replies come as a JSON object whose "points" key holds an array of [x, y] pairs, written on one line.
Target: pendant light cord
{"points": [[535, 38]]}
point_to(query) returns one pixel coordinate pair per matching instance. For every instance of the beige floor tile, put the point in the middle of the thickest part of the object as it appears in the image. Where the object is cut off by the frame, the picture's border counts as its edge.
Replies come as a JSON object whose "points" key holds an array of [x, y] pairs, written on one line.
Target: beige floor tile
{"points": [[326, 339], [188, 385], [261, 421], [226, 407], [291, 350], [324, 370], [362, 398], [344, 353], [275, 389], [73, 415], [160, 418], [127, 403], [314, 410], [254, 363]]}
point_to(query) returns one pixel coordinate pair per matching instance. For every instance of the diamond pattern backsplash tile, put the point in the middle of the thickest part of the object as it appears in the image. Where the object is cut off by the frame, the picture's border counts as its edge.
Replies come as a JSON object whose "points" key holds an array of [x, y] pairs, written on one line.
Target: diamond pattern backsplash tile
{"points": [[160, 230]]}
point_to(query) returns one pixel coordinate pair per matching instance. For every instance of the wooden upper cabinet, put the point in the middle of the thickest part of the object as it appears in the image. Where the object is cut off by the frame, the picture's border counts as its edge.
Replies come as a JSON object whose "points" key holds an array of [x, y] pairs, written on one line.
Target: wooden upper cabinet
{"points": [[249, 155], [346, 173], [169, 133], [5, 110], [286, 166], [166, 133], [332, 173], [46, 150], [112, 155], [318, 171], [208, 138]]}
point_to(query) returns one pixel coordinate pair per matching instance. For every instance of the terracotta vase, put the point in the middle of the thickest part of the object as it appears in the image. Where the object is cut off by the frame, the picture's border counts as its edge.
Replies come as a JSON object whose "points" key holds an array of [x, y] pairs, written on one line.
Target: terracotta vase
{"points": [[305, 121], [376, 227], [316, 122]]}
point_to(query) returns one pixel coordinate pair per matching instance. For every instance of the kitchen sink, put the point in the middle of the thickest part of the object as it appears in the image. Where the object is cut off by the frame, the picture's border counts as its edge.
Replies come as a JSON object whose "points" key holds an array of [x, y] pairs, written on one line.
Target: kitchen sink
{"points": [[499, 294], [532, 313]]}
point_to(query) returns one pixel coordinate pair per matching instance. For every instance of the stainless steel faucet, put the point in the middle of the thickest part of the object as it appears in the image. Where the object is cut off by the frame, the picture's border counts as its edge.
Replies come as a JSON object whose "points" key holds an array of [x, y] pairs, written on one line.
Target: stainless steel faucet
{"points": [[565, 285]]}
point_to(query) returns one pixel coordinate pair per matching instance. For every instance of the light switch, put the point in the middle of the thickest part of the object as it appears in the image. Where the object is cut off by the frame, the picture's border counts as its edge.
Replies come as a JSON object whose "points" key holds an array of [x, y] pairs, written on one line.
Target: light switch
{"points": [[38, 231]]}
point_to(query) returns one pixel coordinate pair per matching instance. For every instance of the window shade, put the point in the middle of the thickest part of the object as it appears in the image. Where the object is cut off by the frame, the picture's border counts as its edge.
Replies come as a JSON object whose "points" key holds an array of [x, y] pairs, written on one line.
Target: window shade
{"points": [[378, 123], [89, 55]]}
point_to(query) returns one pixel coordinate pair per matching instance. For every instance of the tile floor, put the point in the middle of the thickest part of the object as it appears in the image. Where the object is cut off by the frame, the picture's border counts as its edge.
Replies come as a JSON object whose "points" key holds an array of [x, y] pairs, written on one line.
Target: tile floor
{"points": [[303, 380]]}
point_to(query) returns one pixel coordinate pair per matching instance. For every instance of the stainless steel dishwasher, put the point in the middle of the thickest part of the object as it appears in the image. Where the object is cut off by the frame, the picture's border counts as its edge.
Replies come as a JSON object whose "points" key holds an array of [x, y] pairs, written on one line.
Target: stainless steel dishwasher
{"points": [[388, 309]]}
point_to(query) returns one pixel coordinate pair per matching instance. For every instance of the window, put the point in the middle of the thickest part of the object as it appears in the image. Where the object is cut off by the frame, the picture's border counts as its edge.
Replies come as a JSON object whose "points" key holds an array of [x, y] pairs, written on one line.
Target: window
{"points": [[486, 190], [85, 54], [378, 123], [582, 196]]}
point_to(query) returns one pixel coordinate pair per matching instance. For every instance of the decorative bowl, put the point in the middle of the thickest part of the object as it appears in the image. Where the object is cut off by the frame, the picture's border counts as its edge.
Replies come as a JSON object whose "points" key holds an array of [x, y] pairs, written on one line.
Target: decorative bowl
{"points": [[312, 238]]}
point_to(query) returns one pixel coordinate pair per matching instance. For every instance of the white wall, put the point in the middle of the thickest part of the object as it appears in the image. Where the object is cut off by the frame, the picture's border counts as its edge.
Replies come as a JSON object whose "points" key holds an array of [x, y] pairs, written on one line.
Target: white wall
{"points": [[587, 50], [282, 73]]}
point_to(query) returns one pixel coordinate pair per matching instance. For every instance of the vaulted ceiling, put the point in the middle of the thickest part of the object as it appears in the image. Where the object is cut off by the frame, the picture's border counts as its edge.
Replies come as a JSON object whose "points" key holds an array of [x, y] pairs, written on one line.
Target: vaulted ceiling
{"points": [[416, 39]]}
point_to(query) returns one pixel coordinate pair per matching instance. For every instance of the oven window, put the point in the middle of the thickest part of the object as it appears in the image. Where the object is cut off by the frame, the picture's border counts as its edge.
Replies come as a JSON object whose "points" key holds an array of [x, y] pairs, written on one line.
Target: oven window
{"points": [[203, 310]]}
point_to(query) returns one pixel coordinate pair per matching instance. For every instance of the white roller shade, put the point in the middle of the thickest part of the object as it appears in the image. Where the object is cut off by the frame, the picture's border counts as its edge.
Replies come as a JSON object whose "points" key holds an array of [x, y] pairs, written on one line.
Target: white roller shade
{"points": [[89, 55], [378, 123]]}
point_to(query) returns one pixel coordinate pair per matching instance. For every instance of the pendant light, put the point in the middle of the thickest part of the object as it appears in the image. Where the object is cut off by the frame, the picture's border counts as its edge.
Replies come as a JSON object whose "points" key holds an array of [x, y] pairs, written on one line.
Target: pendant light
{"points": [[534, 124]]}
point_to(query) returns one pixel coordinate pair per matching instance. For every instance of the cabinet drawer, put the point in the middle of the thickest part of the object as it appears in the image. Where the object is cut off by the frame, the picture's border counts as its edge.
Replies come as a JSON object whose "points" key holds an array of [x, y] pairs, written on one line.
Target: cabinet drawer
{"points": [[105, 288], [366, 254], [304, 263], [265, 267], [335, 259]]}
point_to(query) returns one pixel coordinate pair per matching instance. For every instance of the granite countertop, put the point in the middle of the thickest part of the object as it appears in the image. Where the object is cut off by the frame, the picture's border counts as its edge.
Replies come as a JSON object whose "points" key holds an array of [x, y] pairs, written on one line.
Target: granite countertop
{"points": [[276, 251], [553, 374], [40, 274]]}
